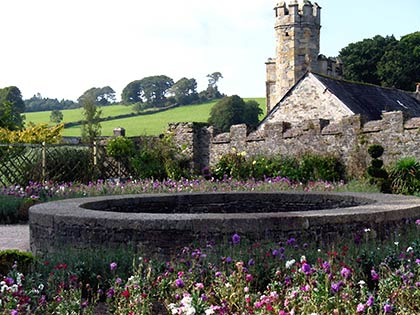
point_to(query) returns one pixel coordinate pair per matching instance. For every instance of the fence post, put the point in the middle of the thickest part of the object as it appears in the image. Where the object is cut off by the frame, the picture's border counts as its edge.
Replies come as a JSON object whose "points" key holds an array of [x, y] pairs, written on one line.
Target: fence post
{"points": [[95, 153], [44, 161]]}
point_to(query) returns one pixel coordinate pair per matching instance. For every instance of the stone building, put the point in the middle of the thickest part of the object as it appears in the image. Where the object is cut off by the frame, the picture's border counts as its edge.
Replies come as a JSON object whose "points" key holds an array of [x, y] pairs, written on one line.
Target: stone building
{"points": [[297, 27], [317, 96]]}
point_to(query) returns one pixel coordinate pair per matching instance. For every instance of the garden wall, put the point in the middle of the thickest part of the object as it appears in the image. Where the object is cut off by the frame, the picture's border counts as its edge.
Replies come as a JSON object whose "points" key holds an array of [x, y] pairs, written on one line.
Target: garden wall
{"points": [[347, 139]]}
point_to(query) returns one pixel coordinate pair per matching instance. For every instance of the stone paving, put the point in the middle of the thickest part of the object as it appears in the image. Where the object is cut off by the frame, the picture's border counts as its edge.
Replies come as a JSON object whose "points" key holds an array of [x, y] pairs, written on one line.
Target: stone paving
{"points": [[15, 236]]}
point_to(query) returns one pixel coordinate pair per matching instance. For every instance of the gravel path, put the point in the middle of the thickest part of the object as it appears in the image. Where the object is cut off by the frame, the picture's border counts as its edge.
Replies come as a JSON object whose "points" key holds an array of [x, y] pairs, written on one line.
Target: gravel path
{"points": [[15, 236]]}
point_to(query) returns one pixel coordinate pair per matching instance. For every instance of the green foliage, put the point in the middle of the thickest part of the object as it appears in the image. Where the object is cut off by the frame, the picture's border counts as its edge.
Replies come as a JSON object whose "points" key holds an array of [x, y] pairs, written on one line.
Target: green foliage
{"points": [[120, 148], [384, 61], [232, 165], [233, 110], [375, 151], [91, 128], [132, 93], [9, 209], [38, 103], [11, 108], [185, 91], [56, 116], [9, 258], [160, 159], [361, 58], [399, 67], [405, 176], [306, 168], [378, 175], [102, 96]]}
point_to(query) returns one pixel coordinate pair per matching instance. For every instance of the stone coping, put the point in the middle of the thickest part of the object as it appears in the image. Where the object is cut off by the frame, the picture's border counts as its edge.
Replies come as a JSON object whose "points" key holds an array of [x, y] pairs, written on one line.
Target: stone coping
{"points": [[69, 221]]}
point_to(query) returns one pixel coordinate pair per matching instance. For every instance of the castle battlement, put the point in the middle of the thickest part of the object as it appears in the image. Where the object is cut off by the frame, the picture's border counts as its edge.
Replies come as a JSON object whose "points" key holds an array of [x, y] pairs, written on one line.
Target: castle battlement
{"points": [[297, 12]]}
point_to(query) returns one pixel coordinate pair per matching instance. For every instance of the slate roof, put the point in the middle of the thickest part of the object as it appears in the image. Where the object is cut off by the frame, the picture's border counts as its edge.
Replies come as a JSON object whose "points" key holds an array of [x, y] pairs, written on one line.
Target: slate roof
{"points": [[371, 100]]}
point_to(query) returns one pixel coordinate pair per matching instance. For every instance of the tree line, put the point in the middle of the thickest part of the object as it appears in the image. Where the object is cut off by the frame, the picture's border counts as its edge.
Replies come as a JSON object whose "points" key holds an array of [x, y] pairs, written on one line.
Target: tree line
{"points": [[148, 92], [384, 61]]}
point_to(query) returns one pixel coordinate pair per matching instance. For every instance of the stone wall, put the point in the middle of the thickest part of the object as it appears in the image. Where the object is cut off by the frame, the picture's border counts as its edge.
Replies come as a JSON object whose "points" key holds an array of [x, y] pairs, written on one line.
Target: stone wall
{"points": [[347, 139]]}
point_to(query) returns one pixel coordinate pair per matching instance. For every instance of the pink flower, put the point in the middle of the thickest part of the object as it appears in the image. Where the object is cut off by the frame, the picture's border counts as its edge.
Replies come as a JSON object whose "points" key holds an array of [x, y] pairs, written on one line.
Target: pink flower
{"points": [[360, 308], [113, 266]]}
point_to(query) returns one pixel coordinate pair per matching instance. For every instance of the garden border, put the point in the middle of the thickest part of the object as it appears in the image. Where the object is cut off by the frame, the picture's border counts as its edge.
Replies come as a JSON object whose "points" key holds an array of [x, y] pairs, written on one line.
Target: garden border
{"points": [[68, 223]]}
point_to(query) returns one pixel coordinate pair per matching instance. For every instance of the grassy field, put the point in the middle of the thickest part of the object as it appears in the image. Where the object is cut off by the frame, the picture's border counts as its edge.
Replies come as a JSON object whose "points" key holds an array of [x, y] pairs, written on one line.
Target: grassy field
{"points": [[153, 124]]}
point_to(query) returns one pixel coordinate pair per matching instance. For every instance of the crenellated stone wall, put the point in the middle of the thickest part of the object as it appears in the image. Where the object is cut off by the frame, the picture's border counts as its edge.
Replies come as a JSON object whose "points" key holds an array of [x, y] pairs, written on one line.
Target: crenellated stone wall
{"points": [[347, 139]]}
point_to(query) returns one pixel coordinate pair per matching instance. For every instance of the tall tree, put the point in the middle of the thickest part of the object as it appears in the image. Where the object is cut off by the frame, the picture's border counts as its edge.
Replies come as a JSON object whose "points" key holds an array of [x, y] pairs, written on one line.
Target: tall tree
{"points": [[185, 91], [400, 67], [132, 93], [56, 116], [11, 108], [361, 59], [154, 89], [234, 110], [101, 96], [212, 91], [91, 127]]}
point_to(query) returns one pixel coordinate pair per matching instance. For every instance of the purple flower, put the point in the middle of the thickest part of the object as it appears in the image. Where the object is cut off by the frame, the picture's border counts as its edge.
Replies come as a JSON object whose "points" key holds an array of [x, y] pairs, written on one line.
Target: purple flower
{"points": [[179, 283], [306, 268], [291, 241], [418, 222], [370, 301], [387, 308], [374, 274], [203, 297], [14, 312], [326, 267], [335, 287], [345, 273], [236, 239], [218, 274], [228, 259], [275, 252], [110, 293], [113, 266], [251, 262]]}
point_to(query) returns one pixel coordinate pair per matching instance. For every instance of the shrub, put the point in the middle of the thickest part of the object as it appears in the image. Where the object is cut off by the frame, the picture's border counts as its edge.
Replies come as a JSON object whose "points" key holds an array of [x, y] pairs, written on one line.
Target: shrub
{"points": [[405, 176], [233, 165], [161, 159], [10, 258], [9, 209], [309, 167], [378, 175], [120, 148]]}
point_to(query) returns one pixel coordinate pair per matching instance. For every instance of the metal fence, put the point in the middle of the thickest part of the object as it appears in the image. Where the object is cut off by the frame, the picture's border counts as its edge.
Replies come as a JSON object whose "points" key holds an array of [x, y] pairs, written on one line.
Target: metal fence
{"points": [[22, 163]]}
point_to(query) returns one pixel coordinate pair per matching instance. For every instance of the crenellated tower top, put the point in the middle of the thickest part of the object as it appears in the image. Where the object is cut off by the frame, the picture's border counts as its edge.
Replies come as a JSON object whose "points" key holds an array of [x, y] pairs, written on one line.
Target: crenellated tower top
{"points": [[295, 11]]}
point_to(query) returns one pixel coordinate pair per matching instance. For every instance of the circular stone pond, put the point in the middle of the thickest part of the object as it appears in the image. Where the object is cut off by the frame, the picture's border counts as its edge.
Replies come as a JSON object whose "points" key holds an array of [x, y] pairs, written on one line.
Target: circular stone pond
{"points": [[164, 223]]}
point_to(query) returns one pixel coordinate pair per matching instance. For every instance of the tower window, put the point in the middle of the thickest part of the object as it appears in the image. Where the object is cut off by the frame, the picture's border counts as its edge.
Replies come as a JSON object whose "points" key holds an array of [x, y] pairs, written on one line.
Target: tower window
{"points": [[286, 34]]}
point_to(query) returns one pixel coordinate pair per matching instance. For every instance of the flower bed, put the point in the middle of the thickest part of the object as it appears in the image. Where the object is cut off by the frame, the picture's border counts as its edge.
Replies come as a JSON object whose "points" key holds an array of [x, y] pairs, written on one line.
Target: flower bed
{"points": [[238, 277]]}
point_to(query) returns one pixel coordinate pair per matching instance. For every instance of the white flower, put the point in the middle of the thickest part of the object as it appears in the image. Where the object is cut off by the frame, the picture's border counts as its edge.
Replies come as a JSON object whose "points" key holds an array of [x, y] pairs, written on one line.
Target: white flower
{"points": [[409, 249], [290, 263], [367, 230], [302, 259], [209, 311], [41, 287], [396, 243], [361, 283]]}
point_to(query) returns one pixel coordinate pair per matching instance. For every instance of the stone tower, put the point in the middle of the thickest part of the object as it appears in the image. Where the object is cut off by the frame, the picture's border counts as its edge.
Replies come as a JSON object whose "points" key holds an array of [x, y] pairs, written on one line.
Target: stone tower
{"points": [[297, 28]]}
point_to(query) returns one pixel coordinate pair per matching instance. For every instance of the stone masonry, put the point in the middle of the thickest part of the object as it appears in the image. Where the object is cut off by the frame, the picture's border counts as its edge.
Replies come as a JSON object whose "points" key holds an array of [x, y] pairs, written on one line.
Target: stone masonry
{"points": [[297, 28], [347, 139]]}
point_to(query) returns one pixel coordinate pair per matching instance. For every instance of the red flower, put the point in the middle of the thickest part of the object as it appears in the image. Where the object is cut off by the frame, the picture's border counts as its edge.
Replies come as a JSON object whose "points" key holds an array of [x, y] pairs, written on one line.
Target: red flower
{"points": [[126, 294], [61, 266]]}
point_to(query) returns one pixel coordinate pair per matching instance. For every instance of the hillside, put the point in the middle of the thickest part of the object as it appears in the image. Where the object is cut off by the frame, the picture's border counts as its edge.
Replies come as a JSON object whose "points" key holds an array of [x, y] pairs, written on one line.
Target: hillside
{"points": [[153, 124]]}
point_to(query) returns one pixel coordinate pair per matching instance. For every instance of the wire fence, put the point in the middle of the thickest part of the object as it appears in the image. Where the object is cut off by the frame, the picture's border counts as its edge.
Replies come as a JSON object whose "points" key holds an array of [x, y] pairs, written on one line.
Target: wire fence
{"points": [[23, 163]]}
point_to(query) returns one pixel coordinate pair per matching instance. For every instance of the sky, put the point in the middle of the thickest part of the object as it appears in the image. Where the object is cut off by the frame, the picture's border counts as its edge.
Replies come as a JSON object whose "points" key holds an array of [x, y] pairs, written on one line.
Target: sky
{"points": [[61, 48]]}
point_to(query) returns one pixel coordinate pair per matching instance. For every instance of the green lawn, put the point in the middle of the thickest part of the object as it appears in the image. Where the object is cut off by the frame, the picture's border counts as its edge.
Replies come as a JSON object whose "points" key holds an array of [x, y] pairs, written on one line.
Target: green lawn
{"points": [[153, 124]]}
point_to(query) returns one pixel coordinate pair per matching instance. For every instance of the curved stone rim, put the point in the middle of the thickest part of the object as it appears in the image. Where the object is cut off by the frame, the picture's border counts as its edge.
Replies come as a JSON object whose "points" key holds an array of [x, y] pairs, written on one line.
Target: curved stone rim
{"points": [[376, 204], [67, 222]]}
